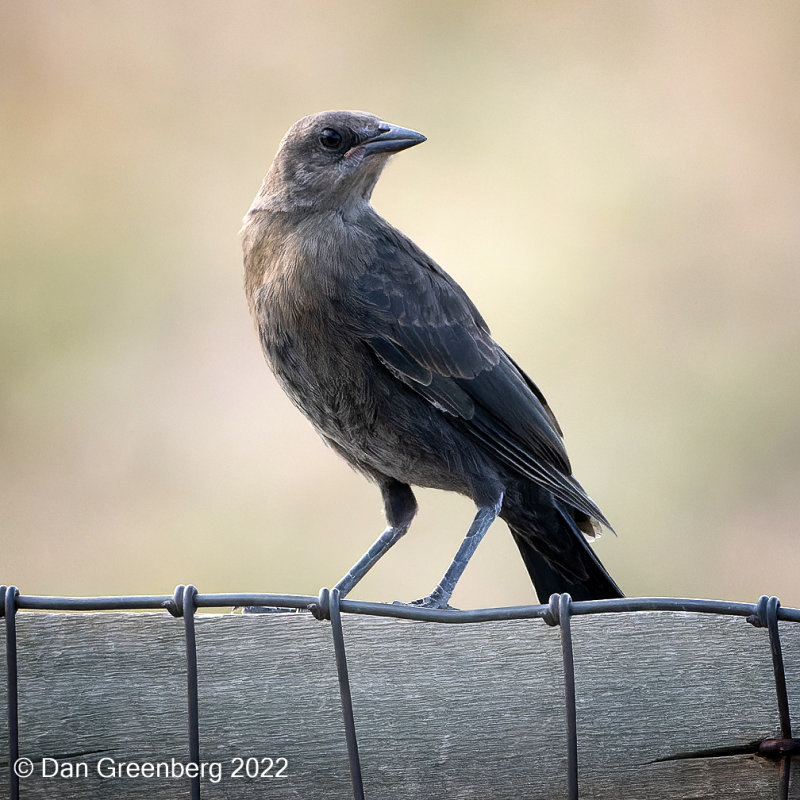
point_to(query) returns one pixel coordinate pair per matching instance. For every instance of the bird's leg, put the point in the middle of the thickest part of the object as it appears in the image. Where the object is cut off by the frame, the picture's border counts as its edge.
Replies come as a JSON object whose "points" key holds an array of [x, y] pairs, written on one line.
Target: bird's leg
{"points": [[369, 559], [400, 507], [440, 596]]}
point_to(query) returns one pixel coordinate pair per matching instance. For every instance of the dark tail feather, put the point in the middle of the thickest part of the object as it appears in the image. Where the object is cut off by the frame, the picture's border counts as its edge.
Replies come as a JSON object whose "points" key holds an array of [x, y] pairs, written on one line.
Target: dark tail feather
{"points": [[556, 554], [547, 580]]}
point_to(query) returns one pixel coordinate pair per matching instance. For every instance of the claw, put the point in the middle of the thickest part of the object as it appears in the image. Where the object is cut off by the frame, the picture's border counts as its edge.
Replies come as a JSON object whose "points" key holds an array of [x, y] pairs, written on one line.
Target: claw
{"points": [[427, 602]]}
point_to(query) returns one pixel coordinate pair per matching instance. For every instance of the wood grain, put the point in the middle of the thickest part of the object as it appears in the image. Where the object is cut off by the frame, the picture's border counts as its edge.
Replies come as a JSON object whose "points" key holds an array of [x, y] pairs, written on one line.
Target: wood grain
{"points": [[442, 711]]}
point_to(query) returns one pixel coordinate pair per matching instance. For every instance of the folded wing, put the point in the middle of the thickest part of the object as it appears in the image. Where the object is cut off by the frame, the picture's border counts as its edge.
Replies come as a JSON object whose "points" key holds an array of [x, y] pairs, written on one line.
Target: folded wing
{"points": [[425, 330]]}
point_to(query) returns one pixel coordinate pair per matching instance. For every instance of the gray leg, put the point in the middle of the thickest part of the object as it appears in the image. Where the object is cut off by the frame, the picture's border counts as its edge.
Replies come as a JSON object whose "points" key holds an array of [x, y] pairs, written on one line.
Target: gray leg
{"points": [[440, 596], [400, 507]]}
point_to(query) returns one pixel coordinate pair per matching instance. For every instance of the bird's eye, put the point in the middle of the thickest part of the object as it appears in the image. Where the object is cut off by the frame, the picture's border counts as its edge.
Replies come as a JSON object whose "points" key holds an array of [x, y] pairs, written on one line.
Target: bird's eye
{"points": [[330, 139]]}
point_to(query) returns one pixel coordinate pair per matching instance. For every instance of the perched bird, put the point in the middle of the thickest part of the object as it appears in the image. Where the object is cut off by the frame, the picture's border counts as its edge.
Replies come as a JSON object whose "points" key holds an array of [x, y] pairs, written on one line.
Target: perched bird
{"points": [[395, 367]]}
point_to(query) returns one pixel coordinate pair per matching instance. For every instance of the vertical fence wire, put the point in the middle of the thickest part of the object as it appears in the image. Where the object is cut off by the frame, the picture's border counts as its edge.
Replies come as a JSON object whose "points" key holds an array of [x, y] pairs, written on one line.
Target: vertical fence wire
{"points": [[10, 612], [183, 603], [766, 616], [346, 696], [559, 613], [189, 594]]}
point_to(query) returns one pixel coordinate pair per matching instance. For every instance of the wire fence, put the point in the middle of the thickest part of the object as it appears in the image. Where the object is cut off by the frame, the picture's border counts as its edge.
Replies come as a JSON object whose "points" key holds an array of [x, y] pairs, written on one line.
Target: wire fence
{"points": [[328, 606]]}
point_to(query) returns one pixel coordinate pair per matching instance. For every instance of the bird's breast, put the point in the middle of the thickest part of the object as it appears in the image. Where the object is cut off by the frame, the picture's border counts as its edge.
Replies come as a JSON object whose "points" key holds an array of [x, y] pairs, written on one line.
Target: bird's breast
{"points": [[321, 365]]}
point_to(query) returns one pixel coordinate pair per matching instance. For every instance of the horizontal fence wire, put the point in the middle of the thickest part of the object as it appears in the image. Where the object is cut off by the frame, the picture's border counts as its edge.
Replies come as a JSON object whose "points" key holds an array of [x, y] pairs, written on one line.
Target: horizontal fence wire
{"points": [[186, 601], [451, 616]]}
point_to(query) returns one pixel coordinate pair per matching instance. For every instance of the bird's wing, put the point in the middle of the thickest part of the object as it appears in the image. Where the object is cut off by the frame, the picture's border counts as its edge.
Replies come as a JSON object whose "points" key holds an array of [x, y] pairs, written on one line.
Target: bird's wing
{"points": [[425, 330]]}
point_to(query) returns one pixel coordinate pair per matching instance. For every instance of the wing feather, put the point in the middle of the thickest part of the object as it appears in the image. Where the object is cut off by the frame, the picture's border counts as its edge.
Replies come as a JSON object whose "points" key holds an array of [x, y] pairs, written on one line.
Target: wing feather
{"points": [[425, 330]]}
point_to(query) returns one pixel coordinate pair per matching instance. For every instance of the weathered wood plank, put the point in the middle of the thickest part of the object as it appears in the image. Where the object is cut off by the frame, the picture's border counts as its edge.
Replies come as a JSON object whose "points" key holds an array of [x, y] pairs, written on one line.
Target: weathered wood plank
{"points": [[463, 711]]}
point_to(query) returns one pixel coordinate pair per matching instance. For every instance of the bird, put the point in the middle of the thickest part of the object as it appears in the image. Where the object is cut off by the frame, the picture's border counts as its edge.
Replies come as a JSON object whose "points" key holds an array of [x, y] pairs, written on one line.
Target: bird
{"points": [[395, 367]]}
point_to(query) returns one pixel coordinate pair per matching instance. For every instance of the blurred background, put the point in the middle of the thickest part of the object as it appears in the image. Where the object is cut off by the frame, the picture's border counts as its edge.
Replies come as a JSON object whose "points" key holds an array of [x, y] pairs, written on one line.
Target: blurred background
{"points": [[616, 185]]}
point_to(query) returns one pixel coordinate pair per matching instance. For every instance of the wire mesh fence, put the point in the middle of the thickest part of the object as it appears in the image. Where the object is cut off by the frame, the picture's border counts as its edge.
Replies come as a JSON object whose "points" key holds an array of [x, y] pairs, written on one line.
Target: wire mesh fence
{"points": [[184, 603]]}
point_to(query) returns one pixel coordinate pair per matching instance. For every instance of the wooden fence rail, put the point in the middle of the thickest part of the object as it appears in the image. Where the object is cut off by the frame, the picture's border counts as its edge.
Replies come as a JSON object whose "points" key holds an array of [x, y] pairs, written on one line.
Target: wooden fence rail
{"points": [[669, 705]]}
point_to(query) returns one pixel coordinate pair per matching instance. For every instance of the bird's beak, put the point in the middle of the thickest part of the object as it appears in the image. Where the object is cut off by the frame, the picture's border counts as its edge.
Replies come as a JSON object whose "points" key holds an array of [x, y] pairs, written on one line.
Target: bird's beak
{"points": [[391, 139]]}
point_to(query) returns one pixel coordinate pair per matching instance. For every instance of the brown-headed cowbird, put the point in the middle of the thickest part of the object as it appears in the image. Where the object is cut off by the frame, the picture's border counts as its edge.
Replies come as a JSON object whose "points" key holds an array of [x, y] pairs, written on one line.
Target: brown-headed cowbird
{"points": [[395, 367]]}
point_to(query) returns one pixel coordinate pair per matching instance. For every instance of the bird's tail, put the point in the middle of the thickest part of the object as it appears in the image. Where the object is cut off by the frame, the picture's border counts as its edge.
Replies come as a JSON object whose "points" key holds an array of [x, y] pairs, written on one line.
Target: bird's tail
{"points": [[551, 537]]}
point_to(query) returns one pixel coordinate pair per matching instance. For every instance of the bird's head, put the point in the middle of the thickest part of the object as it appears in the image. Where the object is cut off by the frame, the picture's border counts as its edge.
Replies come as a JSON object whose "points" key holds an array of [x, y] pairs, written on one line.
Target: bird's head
{"points": [[331, 160]]}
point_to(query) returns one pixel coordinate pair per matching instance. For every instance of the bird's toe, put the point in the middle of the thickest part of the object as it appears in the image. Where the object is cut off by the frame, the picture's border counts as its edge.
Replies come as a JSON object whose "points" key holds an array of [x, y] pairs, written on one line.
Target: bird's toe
{"points": [[427, 602]]}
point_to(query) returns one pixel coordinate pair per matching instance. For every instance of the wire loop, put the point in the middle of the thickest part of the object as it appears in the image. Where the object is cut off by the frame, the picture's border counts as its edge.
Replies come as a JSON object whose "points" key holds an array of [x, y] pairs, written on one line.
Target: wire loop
{"points": [[321, 609], [175, 604]]}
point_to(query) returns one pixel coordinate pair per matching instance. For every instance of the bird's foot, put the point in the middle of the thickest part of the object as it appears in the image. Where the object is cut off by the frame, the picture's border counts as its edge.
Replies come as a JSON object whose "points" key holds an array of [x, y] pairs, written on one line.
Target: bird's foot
{"points": [[428, 602]]}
